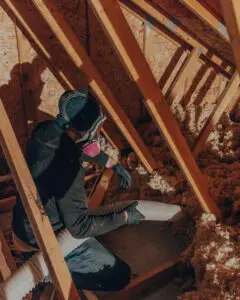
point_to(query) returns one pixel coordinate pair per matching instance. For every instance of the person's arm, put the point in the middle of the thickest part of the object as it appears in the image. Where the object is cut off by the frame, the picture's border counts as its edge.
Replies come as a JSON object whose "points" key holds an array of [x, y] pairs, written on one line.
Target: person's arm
{"points": [[106, 161], [101, 159], [81, 223]]}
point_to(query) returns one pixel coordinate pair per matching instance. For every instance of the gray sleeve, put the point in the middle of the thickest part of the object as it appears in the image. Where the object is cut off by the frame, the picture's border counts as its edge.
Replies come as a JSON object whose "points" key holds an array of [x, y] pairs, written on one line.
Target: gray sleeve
{"points": [[81, 223]]}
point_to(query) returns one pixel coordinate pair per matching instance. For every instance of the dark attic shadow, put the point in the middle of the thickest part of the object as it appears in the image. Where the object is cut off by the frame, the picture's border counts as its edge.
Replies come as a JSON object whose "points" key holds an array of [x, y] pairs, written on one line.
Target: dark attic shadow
{"points": [[22, 96]]}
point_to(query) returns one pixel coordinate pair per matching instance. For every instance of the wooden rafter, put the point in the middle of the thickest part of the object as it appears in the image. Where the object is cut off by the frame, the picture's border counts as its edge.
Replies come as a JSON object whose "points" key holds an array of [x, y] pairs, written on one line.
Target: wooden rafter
{"points": [[79, 56], [40, 223], [5, 178], [7, 263], [114, 23], [227, 96], [181, 80], [206, 16], [96, 199], [159, 17], [231, 12]]}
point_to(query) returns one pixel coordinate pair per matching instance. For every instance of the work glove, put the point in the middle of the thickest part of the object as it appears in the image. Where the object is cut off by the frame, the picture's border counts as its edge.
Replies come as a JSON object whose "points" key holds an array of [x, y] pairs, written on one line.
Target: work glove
{"points": [[125, 177], [134, 216]]}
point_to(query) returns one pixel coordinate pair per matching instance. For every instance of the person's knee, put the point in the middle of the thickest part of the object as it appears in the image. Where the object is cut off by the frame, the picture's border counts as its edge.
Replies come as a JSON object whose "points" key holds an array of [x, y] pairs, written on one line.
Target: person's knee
{"points": [[120, 276]]}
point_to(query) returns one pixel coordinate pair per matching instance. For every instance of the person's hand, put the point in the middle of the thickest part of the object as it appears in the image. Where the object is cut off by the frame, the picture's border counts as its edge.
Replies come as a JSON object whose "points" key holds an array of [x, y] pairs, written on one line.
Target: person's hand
{"points": [[132, 215], [125, 177]]}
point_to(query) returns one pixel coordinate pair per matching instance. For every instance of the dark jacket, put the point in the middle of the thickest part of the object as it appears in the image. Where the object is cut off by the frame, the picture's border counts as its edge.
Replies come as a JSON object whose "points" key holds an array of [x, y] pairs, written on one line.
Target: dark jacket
{"points": [[55, 162]]}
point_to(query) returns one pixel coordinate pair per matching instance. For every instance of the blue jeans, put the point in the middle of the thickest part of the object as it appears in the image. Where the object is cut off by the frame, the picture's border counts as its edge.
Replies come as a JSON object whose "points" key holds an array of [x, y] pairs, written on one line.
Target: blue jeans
{"points": [[95, 268]]}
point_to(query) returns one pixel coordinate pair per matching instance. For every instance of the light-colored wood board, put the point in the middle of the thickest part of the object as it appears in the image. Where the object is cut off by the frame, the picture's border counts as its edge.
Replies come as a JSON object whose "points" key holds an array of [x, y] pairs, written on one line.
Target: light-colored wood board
{"points": [[158, 16], [182, 80], [40, 223], [110, 14], [110, 67], [231, 12], [158, 51], [174, 72], [99, 193], [207, 17], [7, 263]]}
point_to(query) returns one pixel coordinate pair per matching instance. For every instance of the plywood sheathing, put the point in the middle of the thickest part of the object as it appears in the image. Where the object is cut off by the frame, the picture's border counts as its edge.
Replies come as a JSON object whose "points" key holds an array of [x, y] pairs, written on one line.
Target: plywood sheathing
{"points": [[195, 26]]}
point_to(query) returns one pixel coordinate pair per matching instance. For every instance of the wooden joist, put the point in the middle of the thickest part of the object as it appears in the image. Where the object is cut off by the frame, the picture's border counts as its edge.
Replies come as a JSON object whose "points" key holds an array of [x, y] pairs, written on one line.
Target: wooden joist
{"points": [[78, 54], [158, 16], [7, 263], [98, 195], [231, 13], [7, 204], [182, 81], [115, 24], [5, 178], [225, 99], [206, 16], [40, 223]]}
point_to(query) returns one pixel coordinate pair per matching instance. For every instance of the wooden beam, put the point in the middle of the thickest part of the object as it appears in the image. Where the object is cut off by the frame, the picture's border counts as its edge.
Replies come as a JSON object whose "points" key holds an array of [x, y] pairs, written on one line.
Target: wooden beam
{"points": [[175, 95], [79, 56], [226, 98], [117, 28], [206, 16], [7, 204], [99, 193], [7, 263], [157, 15], [161, 275], [231, 13], [40, 223], [102, 92], [5, 178], [110, 135]]}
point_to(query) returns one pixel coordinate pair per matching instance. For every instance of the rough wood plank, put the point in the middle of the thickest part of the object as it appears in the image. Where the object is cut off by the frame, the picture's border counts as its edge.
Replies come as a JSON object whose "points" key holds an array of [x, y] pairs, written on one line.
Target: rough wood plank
{"points": [[231, 12], [98, 195], [160, 274], [5, 178], [181, 81], [7, 204], [7, 263], [114, 23], [226, 98], [40, 223], [207, 17], [112, 137], [79, 56], [49, 293], [158, 16]]}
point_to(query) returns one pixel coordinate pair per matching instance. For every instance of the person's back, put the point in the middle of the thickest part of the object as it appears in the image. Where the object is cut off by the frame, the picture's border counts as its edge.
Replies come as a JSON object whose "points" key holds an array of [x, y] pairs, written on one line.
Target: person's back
{"points": [[54, 161]]}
